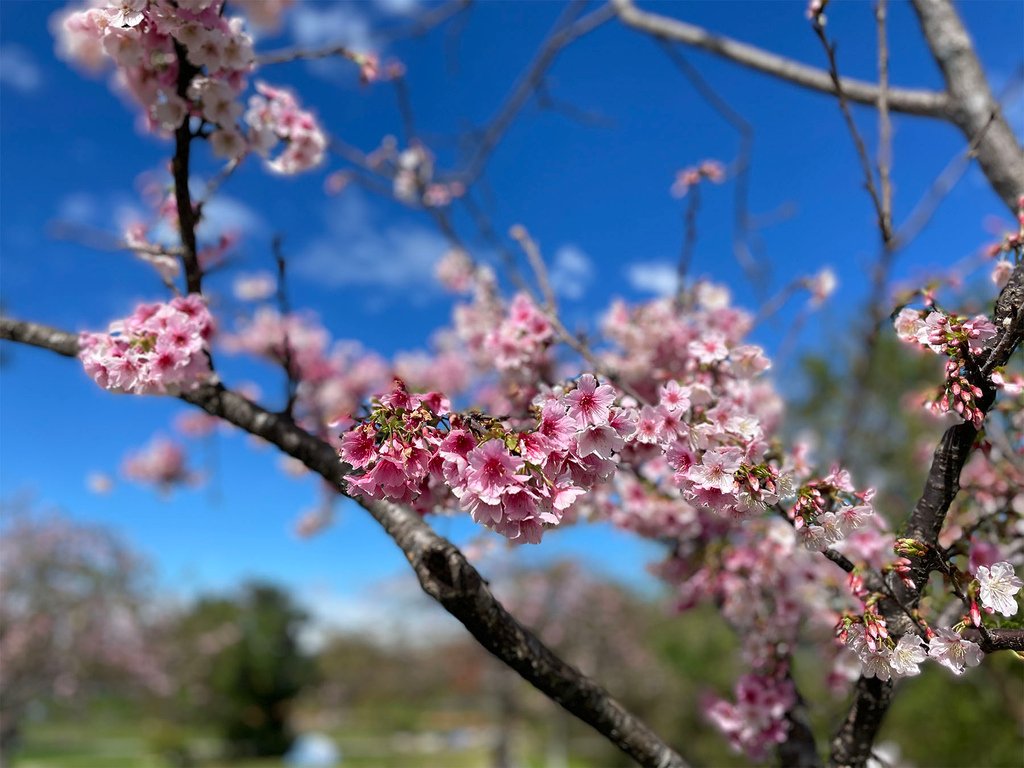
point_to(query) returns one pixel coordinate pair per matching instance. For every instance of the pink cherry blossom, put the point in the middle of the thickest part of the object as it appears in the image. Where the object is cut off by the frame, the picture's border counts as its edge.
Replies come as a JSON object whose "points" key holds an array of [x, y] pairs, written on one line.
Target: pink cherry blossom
{"points": [[589, 404], [953, 651]]}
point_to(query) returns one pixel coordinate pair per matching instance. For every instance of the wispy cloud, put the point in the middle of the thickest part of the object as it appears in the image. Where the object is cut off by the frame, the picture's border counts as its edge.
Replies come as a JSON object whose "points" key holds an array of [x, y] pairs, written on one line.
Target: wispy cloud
{"points": [[359, 249], [224, 214], [571, 272], [317, 26], [398, 7], [657, 277], [18, 69], [342, 24], [350, 24], [112, 213], [393, 611]]}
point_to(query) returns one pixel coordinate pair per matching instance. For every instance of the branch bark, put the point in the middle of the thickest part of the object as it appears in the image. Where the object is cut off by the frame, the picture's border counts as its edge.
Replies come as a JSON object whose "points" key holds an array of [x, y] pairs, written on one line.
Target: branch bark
{"points": [[851, 745], [442, 570], [971, 103], [180, 171], [911, 101]]}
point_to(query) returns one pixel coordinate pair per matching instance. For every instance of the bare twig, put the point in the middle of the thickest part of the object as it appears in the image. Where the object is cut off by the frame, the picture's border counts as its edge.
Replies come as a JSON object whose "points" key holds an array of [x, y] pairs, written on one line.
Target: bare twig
{"points": [[911, 101], [306, 54], [443, 571], [882, 202], [938, 190], [884, 222], [567, 31], [884, 123], [540, 270], [284, 308], [742, 223], [405, 108], [486, 230], [689, 240]]}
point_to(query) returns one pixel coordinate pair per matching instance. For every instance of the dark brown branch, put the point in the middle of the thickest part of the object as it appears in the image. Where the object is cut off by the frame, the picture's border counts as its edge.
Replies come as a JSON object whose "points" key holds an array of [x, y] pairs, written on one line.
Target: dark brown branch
{"points": [[911, 101], [180, 170], [851, 745], [998, 639], [971, 103], [443, 571], [800, 749]]}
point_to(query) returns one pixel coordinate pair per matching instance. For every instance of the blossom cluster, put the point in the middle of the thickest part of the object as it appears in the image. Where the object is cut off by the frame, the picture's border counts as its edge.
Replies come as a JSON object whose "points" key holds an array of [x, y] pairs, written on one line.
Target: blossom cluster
{"points": [[274, 115], [961, 340], [159, 348], [756, 722], [413, 449], [885, 659], [868, 637], [414, 180], [1011, 243], [522, 339], [829, 509], [143, 38]]}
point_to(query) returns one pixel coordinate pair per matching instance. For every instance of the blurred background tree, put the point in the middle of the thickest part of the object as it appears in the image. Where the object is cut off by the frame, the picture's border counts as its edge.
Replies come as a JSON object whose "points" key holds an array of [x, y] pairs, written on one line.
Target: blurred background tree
{"points": [[73, 605], [240, 667]]}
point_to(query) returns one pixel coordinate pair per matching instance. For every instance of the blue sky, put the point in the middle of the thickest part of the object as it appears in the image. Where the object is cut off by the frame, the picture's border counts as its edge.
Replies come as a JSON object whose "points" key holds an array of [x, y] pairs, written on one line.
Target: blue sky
{"points": [[595, 193]]}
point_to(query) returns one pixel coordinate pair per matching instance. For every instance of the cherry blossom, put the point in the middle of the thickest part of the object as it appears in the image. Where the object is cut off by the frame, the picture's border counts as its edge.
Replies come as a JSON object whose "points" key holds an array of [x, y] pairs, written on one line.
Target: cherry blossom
{"points": [[158, 349], [997, 586], [953, 651]]}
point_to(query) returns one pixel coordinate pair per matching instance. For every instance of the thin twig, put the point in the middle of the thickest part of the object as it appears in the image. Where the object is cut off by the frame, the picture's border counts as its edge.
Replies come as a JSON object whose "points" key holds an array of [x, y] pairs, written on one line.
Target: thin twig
{"points": [[181, 172], [284, 308], [568, 29], [740, 167], [689, 241], [884, 123], [912, 101], [540, 270]]}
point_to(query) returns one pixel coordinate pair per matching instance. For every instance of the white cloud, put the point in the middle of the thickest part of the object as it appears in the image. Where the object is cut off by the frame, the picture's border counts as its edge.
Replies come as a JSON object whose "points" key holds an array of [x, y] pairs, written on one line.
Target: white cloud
{"points": [[398, 7], [318, 26], [658, 277], [80, 208], [360, 250], [344, 24], [392, 612], [571, 272], [19, 70], [224, 214]]}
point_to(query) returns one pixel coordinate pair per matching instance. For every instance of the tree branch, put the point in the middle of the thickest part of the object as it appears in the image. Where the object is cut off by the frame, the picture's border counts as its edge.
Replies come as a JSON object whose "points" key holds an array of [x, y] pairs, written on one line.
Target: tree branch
{"points": [[851, 746], [443, 571], [910, 101], [971, 103], [180, 170]]}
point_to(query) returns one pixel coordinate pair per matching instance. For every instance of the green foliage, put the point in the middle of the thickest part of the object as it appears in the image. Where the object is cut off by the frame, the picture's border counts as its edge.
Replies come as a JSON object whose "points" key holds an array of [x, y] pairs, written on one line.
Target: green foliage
{"points": [[880, 435], [245, 667]]}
